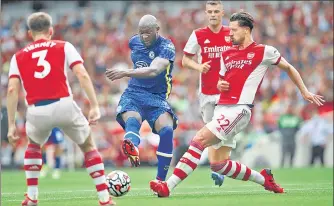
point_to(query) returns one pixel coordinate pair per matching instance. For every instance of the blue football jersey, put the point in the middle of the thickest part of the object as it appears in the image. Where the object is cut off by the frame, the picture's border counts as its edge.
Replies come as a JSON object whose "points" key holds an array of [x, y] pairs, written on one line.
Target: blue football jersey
{"points": [[142, 56]]}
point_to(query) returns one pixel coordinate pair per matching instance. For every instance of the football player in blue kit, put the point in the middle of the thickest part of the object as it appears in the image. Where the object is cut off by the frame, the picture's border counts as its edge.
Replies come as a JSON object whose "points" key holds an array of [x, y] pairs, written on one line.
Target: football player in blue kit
{"points": [[146, 97]]}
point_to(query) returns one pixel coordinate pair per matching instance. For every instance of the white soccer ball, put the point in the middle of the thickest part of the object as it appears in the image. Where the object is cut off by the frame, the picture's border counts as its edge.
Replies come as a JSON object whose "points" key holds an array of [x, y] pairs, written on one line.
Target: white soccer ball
{"points": [[119, 183]]}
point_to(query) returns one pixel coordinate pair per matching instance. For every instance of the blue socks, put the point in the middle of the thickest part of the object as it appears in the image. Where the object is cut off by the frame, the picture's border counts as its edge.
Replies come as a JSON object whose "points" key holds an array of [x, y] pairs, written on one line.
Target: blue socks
{"points": [[57, 162], [44, 158], [132, 127], [164, 152]]}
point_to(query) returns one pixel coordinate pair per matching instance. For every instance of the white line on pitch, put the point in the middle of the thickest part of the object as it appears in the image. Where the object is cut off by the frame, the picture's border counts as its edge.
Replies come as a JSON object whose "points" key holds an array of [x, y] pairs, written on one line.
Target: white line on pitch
{"points": [[181, 193]]}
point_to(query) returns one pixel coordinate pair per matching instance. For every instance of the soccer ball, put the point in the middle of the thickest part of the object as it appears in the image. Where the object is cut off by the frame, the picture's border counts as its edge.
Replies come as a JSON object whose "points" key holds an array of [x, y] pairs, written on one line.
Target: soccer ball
{"points": [[119, 183]]}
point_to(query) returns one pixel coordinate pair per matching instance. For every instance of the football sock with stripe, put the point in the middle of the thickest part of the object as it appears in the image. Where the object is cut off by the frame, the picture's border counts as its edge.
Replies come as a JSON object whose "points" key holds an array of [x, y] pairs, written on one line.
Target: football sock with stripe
{"points": [[32, 167], [186, 165], [238, 171], [95, 168], [164, 152]]}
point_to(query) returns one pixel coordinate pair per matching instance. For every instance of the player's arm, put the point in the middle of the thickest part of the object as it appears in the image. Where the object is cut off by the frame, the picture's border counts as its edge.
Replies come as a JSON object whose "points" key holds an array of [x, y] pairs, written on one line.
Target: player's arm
{"points": [[75, 62], [190, 50], [12, 99], [86, 83], [222, 84], [157, 66], [273, 57], [298, 81], [188, 62]]}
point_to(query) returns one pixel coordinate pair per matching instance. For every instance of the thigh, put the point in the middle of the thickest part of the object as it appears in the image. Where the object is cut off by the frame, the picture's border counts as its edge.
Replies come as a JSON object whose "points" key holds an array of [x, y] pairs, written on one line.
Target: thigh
{"points": [[220, 154], [39, 122], [130, 105], [207, 104], [227, 122], [160, 109], [73, 122], [163, 120]]}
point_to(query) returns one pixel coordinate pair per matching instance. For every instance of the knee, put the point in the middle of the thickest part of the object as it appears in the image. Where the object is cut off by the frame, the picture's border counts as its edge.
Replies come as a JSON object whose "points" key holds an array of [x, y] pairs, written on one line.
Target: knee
{"points": [[166, 135], [88, 145], [218, 166], [202, 140]]}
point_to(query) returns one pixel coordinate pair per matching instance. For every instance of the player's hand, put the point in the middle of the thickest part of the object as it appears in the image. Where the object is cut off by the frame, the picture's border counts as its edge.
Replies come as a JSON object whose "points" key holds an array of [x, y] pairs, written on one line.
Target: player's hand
{"points": [[12, 135], [223, 86], [313, 98], [115, 73], [94, 115], [205, 67]]}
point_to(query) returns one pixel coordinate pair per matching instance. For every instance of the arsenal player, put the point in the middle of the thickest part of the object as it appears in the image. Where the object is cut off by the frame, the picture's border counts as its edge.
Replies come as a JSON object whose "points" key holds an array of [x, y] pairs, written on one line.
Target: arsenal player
{"points": [[242, 70], [42, 67], [208, 43]]}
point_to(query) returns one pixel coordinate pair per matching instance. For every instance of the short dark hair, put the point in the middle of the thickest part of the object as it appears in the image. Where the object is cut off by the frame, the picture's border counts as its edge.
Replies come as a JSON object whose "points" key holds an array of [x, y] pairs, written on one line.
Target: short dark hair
{"points": [[243, 18], [214, 2], [39, 22]]}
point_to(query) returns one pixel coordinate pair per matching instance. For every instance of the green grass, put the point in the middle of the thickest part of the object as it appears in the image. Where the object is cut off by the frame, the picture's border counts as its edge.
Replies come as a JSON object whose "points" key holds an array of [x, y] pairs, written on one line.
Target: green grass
{"points": [[304, 187]]}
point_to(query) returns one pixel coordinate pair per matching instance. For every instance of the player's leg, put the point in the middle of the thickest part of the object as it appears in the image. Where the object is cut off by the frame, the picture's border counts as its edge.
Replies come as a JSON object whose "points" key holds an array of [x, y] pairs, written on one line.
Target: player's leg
{"points": [[188, 162], [95, 167], [226, 127], [58, 138], [215, 154], [58, 151], [219, 132], [164, 127], [129, 116], [45, 167], [33, 158], [131, 140], [76, 127], [207, 104]]}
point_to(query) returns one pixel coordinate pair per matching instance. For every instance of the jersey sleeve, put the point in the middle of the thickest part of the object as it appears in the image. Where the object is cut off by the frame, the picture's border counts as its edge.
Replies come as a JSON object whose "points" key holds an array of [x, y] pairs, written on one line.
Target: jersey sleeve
{"points": [[72, 55], [222, 67], [192, 45], [271, 55], [168, 51], [13, 68]]}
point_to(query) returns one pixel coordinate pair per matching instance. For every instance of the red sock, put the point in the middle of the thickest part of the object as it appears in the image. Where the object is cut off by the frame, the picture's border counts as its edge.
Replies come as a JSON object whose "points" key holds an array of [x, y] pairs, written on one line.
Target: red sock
{"points": [[186, 165], [32, 167], [95, 168], [238, 171]]}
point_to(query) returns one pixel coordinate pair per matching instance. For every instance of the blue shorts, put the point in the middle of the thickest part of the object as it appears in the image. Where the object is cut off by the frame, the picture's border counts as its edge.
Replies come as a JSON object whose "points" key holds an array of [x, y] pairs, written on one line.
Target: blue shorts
{"points": [[56, 137], [149, 106]]}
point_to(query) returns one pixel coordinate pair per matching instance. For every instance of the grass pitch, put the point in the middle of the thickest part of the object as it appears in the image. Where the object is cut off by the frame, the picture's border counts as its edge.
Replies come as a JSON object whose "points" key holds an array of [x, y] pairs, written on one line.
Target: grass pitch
{"points": [[304, 187]]}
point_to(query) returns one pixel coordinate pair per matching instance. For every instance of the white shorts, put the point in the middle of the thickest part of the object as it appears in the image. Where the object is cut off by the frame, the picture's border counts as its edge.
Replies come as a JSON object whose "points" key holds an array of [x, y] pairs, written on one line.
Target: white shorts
{"points": [[207, 104], [228, 121], [64, 114]]}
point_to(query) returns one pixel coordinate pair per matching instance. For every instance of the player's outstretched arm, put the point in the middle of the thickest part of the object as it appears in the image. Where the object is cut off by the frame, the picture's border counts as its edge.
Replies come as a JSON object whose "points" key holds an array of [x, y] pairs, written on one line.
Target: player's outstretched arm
{"points": [[188, 62], [157, 66], [298, 81], [86, 83], [12, 101]]}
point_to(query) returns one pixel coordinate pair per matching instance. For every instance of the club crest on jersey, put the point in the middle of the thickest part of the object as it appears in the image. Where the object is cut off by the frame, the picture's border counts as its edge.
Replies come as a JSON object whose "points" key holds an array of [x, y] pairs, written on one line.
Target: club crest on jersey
{"points": [[250, 55], [227, 38], [151, 55]]}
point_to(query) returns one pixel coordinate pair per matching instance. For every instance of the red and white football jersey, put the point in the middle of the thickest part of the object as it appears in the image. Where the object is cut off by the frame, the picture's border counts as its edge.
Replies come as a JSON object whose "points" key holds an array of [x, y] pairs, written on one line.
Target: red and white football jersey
{"points": [[244, 70], [42, 67], [209, 46]]}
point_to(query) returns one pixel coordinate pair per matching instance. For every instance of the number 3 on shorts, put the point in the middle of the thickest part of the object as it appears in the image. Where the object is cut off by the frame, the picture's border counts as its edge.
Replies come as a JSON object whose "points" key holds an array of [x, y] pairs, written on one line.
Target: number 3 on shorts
{"points": [[41, 62]]}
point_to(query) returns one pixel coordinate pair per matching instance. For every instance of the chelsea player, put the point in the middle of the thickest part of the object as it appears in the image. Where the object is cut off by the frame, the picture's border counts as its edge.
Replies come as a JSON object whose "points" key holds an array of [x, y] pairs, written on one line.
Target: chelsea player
{"points": [[147, 93]]}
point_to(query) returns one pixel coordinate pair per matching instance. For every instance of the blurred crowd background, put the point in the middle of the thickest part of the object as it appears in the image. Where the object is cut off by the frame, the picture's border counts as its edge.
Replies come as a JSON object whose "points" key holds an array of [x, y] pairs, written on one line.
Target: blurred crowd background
{"points": [[301, 31]]}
